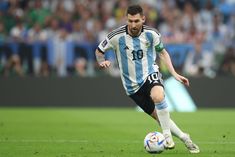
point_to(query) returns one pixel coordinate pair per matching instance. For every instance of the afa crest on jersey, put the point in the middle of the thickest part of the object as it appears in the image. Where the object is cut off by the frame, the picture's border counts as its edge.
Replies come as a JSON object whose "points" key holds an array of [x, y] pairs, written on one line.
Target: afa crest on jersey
{"points": [[147, 44]]}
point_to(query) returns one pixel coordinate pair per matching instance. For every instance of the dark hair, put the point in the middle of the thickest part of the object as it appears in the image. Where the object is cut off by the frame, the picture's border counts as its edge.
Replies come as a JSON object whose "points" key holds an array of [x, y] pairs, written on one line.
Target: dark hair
{"points": [[134, 9]]}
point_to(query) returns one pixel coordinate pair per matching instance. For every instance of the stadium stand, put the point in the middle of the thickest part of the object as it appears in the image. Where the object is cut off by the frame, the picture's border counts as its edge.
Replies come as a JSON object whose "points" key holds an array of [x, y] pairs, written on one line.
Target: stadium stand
{"points": [[44, 38]]}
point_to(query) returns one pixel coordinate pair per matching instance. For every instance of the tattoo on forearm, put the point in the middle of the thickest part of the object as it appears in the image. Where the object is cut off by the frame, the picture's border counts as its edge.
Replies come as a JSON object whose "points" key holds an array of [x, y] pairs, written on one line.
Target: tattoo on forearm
{"points": [[100, 57]]}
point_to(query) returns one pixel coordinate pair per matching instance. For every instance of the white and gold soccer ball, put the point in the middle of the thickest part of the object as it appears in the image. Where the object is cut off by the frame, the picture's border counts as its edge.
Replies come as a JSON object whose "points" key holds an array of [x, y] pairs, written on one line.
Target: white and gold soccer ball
{"points": [[154, 142]]}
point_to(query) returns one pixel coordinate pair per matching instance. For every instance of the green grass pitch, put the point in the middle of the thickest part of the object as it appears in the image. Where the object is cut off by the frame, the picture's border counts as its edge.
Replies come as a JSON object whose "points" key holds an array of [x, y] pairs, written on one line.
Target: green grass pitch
{"points": [[111, 132]]}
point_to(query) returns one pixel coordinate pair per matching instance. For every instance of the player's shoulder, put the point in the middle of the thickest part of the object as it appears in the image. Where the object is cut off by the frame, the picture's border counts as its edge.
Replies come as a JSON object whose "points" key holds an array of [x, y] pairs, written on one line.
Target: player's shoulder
{"points": [[117, 31], [152, 30]]}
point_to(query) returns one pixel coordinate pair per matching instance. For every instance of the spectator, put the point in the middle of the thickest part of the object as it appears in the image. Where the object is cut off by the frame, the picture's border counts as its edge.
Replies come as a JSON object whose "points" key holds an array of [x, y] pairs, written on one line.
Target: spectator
{"points": [[22, 55], [60, 53], [211, 20], [38, 14], [37, 38], [228, 64], [4, 52], [199, 61], [80, 53], [53, 29]]}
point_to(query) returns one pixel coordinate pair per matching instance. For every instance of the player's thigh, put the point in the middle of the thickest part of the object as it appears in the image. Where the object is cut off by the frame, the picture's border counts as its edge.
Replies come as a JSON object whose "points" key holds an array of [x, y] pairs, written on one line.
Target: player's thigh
{"points": [[144, 102], [155, 86]]}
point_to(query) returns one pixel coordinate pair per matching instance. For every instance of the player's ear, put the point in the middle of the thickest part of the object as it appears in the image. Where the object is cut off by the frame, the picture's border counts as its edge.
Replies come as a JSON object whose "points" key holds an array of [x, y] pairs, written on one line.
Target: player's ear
{"points": [[143, 19]]}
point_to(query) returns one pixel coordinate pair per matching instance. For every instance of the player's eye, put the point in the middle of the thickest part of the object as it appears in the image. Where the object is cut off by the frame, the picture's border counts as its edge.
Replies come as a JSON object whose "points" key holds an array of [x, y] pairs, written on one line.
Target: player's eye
{"points": [[133, 21], [136, 21]]}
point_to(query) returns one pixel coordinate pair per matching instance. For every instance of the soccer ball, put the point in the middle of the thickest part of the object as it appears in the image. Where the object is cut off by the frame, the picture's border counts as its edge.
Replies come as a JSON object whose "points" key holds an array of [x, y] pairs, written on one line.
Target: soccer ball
{"points": [[154, 142]]}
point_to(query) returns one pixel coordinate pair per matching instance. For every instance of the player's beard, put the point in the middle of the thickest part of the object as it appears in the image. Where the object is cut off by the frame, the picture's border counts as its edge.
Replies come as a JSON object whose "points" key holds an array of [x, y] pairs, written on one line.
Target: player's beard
{"points": [[135, 31]]}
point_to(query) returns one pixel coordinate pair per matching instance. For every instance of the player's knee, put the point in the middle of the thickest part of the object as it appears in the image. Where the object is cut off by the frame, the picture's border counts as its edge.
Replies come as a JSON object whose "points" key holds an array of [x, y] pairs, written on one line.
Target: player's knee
{"points": [[157, 94], [158, 99]]}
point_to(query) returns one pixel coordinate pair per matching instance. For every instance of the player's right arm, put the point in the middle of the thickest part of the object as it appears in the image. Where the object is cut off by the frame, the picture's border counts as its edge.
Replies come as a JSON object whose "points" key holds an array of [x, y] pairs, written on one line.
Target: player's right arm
{"points": [[101, 59], [99, 52]]}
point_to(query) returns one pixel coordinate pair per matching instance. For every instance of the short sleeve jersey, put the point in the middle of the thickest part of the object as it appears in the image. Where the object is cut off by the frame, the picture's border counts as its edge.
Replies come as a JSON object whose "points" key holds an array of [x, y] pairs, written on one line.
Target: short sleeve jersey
{"points": [[136, 56]]}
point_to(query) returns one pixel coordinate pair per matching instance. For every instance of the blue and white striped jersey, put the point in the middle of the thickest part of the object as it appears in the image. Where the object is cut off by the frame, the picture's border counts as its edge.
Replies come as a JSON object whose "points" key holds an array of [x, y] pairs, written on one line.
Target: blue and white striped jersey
{"points": [[136, 56]]}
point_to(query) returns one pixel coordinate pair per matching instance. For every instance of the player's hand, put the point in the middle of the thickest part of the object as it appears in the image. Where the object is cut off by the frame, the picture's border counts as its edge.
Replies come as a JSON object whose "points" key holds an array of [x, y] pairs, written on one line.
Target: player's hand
{"points": [[182, 79], [105, 64]]}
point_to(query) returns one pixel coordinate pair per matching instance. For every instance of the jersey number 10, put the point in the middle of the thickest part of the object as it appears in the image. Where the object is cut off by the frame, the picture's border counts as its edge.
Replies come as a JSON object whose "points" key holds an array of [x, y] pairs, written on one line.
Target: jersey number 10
{"points": [[137, 54]]}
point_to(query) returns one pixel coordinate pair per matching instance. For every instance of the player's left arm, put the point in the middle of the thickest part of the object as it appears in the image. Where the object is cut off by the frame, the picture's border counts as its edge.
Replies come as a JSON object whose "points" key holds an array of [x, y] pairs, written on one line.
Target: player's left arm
{"points": [[159, 47], [165, 57]]}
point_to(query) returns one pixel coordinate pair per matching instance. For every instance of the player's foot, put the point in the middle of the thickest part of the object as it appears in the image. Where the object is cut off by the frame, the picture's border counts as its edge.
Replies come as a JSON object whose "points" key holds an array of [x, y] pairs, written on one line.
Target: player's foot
{"points": [[192, 147], [169, 143]]}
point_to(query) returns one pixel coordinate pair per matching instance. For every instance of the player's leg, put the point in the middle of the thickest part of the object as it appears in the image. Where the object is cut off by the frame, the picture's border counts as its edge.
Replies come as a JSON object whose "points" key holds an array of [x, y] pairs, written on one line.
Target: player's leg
{"points": [[184, 137], [192, 147], [157, 95], [175, 130], [142, 99]]}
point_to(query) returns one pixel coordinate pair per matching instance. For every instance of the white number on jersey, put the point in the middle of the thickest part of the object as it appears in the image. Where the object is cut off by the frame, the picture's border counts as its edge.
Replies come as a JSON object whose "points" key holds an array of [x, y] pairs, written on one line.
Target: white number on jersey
{"points": [[153, 78]]}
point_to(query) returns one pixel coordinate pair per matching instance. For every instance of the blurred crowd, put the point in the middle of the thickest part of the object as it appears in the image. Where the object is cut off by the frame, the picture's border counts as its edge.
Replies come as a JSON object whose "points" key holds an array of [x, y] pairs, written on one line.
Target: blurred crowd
{"points": [[59, 37]]}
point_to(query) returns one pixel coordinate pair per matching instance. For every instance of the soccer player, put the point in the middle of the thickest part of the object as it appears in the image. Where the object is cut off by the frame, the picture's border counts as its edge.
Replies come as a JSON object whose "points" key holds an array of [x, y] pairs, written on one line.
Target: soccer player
{"points": [[136, 46]]}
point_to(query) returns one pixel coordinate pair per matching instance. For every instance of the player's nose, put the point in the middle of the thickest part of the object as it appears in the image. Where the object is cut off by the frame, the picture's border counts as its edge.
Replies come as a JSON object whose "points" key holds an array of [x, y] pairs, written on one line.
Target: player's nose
{"points": [[133, 25]]}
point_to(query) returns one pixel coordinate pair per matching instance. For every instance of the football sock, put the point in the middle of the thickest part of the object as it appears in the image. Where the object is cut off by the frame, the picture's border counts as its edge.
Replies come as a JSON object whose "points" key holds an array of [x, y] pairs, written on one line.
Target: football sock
{"points": [[164, 117], [176, 130]]}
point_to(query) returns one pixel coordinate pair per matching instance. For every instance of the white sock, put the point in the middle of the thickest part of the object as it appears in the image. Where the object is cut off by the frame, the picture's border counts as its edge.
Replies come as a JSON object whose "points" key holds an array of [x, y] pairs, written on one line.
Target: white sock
{"points": [[176, 130], [164, 117]]}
